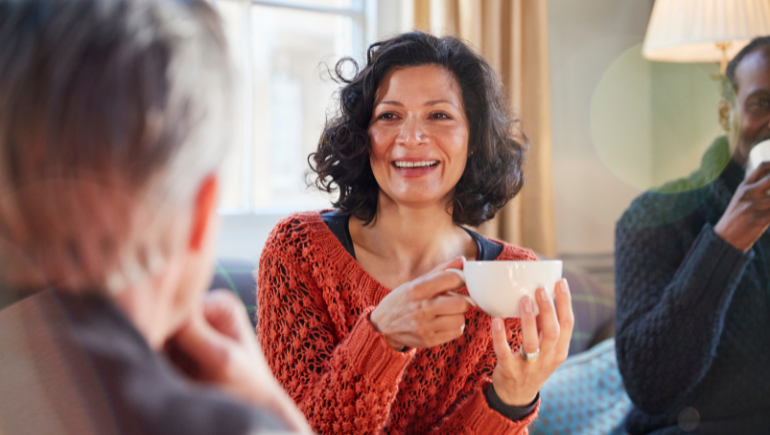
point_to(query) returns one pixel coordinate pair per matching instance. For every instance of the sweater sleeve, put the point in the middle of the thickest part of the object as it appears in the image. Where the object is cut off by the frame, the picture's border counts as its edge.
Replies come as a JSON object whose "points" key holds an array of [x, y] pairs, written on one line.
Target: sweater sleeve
{"points": [[342, 385], [476, 417], [672, 298]]}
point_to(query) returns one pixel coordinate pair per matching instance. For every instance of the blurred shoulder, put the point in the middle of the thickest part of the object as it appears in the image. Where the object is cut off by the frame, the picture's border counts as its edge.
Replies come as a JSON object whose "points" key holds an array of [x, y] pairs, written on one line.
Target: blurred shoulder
{"points": [[679, 199], [656, 208]]}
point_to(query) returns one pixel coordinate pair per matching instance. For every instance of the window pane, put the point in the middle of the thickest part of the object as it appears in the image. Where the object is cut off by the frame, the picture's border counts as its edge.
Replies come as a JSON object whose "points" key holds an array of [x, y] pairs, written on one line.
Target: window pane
{"points": [[339, 4], [235, 26], [291, 93]]}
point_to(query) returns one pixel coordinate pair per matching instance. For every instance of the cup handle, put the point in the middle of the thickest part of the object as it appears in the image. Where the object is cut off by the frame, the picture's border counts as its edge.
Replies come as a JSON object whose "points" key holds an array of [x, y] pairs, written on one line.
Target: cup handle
{"points": [[451, 293]]}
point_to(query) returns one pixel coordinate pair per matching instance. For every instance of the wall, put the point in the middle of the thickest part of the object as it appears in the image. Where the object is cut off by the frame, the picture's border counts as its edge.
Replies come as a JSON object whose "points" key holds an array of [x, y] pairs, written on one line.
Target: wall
{"points": [[621, 124], [585, 38]]}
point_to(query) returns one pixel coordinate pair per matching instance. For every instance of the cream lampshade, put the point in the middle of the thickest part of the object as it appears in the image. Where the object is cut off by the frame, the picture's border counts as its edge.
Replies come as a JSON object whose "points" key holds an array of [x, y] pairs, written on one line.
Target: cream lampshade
{"points": [[704, 30]]}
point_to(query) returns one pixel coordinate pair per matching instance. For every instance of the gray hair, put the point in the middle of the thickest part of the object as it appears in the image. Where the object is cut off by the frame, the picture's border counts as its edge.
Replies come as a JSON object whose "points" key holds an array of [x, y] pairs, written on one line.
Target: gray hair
{"points": [[105, 105]]}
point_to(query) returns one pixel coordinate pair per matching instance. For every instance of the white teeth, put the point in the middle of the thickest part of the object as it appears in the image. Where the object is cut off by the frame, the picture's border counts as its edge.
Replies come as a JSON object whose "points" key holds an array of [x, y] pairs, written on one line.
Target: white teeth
{"points": [[402, 165]]}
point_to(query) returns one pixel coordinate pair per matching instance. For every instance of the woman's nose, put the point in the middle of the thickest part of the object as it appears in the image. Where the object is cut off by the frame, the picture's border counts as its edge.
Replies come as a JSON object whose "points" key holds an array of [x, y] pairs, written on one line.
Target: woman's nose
{"points": [[412, 133]]}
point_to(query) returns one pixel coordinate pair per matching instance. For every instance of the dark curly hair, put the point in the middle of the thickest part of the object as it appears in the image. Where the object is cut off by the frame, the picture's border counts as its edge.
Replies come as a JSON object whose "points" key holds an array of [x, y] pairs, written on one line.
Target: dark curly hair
{"points": [[493, 173]]}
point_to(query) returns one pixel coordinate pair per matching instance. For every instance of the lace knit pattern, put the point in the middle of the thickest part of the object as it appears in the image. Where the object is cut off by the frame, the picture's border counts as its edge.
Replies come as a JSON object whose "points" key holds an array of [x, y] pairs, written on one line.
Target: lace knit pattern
{"points": [[313, 306]]}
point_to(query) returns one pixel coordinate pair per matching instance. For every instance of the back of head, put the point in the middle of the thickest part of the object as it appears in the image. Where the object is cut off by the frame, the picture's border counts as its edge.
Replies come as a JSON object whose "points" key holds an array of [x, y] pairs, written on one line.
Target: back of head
{"points": [[111, 114]]}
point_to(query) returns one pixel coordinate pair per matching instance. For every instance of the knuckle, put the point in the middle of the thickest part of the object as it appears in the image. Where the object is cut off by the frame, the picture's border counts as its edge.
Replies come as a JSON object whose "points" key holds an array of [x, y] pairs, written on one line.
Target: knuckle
{"points": [[422, 331], [459, 304]]}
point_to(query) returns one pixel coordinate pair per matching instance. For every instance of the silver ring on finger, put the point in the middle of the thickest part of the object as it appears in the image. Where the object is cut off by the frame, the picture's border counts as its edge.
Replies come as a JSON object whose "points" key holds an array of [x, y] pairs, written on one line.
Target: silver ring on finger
{"points": [[530, 357]]}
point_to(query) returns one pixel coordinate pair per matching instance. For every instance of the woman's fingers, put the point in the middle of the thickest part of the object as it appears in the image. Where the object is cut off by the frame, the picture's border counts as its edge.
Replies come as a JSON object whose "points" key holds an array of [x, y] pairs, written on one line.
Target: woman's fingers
{"points": [[454, 323], [500, 342], [548, 322], [445, 306], [530, 340], [566, 317]]}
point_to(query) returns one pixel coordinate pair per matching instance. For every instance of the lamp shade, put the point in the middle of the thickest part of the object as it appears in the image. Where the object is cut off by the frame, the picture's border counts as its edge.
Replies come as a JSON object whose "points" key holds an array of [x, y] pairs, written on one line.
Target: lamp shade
{"points": [[689, 30]]}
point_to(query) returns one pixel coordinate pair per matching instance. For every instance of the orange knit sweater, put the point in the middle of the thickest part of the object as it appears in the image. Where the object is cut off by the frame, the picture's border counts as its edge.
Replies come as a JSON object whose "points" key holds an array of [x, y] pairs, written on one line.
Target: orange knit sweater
{"points": [[313, 306]]}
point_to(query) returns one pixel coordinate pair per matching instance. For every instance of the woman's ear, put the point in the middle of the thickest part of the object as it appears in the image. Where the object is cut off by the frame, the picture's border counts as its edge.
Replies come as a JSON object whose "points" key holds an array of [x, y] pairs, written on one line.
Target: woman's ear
{"points": [[204, 211], [724, 114]]}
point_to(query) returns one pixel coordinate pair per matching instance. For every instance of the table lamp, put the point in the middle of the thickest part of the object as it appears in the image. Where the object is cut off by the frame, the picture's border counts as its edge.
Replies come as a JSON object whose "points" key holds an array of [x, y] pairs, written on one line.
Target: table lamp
{"points": [[704, 30]]}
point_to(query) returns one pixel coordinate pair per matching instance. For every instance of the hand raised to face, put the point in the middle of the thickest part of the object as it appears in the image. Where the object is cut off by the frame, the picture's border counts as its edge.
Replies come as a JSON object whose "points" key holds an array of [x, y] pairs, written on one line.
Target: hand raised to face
{"points": [[748, 214], [217, 346]]}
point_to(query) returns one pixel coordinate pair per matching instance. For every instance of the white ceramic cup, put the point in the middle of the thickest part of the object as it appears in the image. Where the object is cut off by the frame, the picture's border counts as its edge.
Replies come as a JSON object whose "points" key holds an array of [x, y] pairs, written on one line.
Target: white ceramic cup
{"points": [[759, 154], [496, 287]]}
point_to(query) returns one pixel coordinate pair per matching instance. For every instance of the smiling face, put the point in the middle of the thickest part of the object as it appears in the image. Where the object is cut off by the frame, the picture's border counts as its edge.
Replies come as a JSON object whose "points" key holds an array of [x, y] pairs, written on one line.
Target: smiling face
{"points": [[750, 123], [419, 136]]}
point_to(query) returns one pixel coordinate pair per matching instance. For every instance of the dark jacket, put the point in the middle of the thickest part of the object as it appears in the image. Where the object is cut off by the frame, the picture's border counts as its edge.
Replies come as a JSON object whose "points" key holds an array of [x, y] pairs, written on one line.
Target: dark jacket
{"points": [[76, 365], [693, 312]]}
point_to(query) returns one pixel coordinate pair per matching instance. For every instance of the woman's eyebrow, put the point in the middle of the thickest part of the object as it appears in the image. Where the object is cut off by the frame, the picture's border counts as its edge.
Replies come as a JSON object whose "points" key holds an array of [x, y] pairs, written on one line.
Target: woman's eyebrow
{"points": [[434, 102], [391, 102]]}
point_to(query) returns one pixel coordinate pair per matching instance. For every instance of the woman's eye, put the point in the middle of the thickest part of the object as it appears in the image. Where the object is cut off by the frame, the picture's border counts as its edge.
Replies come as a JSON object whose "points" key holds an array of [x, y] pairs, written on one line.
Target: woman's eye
{"points": [[440, 115], [387, 116]]}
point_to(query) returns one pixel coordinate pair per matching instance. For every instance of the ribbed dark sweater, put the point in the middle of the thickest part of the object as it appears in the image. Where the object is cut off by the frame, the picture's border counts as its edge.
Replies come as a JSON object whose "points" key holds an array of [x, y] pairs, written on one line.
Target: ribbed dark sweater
{"points": [[693, 312]]}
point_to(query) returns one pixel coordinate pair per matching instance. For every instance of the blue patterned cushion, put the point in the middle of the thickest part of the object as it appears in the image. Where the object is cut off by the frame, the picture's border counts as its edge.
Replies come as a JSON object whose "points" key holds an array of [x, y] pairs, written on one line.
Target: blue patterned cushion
{"points": [[594, 307], [585, 395]]}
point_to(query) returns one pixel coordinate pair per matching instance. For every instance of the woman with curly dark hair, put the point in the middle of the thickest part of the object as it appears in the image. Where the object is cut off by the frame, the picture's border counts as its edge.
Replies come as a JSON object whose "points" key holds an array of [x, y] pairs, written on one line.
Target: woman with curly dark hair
{"points": [[354, 315]]}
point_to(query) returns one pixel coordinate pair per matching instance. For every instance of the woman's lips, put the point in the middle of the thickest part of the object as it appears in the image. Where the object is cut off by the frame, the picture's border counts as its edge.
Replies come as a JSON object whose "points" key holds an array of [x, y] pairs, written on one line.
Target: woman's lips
{"points": [[413, 169]]}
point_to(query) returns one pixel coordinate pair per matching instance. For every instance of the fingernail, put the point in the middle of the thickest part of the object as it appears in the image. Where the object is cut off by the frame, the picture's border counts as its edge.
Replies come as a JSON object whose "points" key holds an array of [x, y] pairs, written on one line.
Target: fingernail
{"points": [[526, 304], [564, 287], [541, 294], [497, 324]]}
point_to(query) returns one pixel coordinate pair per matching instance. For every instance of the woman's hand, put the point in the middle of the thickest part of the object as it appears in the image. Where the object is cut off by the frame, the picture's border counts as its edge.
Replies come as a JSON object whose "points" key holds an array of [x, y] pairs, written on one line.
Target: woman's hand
{"points": [[416, 315], [515, 380], [218, 346]]}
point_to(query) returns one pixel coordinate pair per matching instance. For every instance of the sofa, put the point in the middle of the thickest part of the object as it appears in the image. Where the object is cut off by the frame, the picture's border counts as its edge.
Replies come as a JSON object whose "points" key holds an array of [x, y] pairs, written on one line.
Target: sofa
{"points": [[584, 396]]}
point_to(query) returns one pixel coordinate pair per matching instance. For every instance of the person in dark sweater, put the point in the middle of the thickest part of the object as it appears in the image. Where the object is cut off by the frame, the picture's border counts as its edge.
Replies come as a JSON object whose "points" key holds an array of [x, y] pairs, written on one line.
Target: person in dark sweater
{"points": [[113, 128], [693, 279]]}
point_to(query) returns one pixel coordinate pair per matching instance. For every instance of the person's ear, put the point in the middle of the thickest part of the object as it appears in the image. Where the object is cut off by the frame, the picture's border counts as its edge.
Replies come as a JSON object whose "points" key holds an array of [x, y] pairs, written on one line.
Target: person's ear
{"points": [[724, 114], [204, 211]]}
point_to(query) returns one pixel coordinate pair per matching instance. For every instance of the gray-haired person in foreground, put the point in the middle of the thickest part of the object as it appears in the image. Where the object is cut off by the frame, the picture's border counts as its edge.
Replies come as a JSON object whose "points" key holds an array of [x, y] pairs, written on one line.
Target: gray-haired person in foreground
{"points": [[113, 126]]}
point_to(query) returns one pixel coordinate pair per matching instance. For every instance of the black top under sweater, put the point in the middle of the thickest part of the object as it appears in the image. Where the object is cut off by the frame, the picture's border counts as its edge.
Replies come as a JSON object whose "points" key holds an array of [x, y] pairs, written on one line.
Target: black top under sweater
{"points": [[693, 312], [338, 223]]}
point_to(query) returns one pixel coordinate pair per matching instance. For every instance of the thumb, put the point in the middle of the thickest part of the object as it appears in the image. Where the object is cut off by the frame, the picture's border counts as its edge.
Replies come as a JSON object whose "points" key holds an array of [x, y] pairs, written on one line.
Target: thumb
{"points": [[457, 263], [226, 314], [202, 344], [441, 279]]}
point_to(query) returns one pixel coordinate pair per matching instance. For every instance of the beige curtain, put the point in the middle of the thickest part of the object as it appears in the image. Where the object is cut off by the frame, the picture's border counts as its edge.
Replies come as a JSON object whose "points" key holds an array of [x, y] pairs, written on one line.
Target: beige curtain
{"points": [[513, 36]]}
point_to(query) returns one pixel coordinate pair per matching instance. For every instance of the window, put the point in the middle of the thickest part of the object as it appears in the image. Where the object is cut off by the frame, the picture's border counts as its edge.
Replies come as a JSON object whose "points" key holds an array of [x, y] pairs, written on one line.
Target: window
{"points": [[281, 50]]}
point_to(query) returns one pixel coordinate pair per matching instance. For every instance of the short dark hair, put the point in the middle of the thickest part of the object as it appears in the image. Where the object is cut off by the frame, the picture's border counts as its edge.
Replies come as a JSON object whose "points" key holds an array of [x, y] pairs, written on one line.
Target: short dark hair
{"points": [[493, 173], [730, 84]]}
